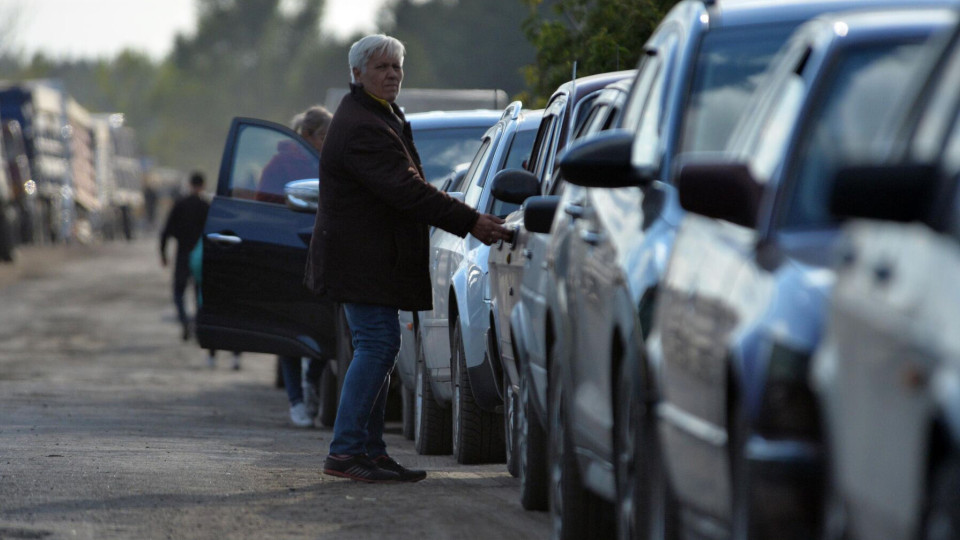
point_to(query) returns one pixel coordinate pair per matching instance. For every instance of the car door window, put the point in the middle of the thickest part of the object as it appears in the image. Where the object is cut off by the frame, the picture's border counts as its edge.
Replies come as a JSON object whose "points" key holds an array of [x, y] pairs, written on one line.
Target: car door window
{"points": [[476, 171], [645, 111], [860, 97], [518, 153], [730, 64], [265, 160]]}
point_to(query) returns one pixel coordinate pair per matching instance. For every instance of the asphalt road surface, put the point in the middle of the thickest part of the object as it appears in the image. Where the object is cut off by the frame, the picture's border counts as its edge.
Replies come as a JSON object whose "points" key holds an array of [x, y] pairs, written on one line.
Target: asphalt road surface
{"points": [[111, 427]]}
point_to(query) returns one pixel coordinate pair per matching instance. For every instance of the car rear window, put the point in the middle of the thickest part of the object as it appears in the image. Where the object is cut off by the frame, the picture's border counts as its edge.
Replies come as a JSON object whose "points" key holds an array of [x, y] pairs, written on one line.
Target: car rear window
{"points": [[730, 63]]}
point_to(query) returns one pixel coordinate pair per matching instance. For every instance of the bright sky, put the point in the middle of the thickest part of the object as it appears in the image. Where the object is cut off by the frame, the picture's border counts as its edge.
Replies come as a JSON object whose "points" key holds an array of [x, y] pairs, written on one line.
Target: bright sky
{"points": [[101, 28]]}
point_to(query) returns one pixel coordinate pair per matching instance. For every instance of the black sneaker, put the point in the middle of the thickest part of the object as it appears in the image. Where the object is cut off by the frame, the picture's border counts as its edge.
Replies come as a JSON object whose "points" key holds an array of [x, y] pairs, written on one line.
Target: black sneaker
{"points": [[387, 463], [359, 468]]}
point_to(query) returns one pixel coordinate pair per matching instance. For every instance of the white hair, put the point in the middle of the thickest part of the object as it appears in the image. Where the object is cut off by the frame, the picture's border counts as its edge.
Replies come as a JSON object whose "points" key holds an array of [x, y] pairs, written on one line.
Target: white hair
{"points": [[366, 47]]}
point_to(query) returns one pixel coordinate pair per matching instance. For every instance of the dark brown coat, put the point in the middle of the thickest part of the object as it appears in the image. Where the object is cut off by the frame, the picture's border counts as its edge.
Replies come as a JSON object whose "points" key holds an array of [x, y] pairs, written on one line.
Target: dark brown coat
{"points": [[370, 241]]}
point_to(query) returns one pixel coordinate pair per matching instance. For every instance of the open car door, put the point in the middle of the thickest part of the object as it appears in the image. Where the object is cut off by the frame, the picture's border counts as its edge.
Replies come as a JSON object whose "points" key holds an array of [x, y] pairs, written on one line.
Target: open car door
{"points": [[255, 247]]}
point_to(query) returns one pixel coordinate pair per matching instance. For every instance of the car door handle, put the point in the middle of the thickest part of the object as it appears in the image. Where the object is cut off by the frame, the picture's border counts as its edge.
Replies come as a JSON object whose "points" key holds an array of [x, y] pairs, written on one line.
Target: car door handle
{"points": [[228, 239], [592, 237], [574, 210]]}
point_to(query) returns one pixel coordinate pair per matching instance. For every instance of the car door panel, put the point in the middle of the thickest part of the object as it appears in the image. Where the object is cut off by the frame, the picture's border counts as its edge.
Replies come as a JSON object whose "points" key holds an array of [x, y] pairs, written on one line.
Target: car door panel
{"points": [[253, 297]]}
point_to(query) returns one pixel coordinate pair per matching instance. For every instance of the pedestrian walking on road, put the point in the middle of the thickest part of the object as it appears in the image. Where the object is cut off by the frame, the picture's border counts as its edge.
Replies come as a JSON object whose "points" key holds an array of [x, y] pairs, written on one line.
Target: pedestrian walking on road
{"points": [[370, 248], [185, 224]]}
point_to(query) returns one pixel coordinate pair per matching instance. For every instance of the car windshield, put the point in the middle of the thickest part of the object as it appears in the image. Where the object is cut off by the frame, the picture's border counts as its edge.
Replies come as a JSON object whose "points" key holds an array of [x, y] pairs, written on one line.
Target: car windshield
{"points": [[443, 149], [730, 64]]}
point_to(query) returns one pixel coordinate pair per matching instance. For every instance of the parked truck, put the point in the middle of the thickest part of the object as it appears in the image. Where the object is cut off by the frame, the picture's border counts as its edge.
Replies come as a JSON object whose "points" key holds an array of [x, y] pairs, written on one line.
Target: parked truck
{"points": [[40, 109], [119, 175]]}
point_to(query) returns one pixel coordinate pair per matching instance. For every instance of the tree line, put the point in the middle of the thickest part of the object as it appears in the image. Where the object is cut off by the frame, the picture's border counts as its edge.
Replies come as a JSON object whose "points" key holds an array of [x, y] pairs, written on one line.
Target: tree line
{"points": [[269, 59]]}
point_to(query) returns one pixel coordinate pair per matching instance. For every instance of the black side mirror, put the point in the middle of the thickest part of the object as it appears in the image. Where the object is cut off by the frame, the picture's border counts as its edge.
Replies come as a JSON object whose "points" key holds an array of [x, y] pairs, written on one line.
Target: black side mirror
{"points": [[720, 190], [515, 185], [887, 192], [603, 161], [538, 213]]}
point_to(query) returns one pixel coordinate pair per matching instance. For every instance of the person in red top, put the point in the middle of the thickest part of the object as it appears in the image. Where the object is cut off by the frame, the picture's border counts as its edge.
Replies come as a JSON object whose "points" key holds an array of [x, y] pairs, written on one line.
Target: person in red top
{"points": [[291, 162]]}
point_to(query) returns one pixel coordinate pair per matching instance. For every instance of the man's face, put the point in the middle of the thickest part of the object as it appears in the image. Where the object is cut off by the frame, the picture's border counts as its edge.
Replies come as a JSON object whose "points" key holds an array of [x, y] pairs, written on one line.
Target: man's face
{"points": [[382, 77]]}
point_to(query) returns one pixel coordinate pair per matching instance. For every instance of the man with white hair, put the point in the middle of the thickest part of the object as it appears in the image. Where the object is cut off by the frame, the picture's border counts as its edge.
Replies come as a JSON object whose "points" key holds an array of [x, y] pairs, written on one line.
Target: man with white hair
{"points": [[370, 248]]}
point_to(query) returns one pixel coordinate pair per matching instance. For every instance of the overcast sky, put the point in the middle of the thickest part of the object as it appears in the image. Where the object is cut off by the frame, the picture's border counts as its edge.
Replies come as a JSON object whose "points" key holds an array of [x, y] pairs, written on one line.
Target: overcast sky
{"points": [[101, 28]]}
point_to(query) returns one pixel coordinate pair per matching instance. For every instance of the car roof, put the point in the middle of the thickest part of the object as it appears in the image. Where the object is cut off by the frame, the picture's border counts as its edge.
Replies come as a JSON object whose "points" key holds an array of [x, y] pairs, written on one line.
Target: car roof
{"points": [[746, 12], [454, 119], [591, 83]]}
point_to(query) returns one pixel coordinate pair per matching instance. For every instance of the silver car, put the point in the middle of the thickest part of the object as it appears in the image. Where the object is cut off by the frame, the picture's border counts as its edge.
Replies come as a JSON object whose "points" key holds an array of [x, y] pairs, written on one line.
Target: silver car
{"points": [[888, 370], [458, 398]]}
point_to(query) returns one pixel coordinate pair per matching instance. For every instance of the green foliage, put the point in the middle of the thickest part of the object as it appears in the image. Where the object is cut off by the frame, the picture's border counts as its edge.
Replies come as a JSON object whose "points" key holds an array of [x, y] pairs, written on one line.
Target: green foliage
{"points": [[462, 43], [599, 35]]}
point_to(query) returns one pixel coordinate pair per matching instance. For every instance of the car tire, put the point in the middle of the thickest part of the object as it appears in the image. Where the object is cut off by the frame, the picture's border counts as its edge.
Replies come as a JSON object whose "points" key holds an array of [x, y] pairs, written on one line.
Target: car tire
{"points": [[941, 521], [661, 507], [409, 412], [329, 397], [532, 451], [477, 434], [630, 434], [432, 422], [510, 413], [575, 512], [745, 524]]}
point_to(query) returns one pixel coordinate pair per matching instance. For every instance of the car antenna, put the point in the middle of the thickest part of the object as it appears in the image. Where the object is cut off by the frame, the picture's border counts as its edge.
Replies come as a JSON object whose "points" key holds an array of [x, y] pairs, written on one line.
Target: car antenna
{"points": [[573, 81]]}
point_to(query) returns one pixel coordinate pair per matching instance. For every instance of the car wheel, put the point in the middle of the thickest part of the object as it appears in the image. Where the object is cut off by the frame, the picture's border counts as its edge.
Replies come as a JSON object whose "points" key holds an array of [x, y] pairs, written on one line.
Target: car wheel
{"points": [[574, 511], [278, 375], [942, 519], [477, 434], [744, 520], [344, 347], [663, 521], [431, 421], [329, 396], [532, 450], [510, 414], [409, 411], [629, 431]]}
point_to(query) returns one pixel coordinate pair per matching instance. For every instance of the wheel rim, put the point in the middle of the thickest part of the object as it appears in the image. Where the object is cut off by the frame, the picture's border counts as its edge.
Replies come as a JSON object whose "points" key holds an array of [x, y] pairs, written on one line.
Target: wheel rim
{"points": [[418, 399], [510, 422], [523, 426], [456, 389]]}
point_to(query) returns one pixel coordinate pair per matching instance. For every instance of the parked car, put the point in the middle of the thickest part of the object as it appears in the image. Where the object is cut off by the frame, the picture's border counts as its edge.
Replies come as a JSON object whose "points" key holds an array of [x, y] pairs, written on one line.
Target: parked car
{"points": [[887, 366], [457, 395], [741, 302], [538, 188]]}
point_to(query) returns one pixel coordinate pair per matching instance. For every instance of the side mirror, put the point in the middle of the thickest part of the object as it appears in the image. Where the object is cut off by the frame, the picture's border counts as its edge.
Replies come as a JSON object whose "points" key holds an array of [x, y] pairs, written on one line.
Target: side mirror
{"points": [[538, 213], [515, 185], [602, 161], [887, 192], [458, 195], [721, 190], [302, 195]]}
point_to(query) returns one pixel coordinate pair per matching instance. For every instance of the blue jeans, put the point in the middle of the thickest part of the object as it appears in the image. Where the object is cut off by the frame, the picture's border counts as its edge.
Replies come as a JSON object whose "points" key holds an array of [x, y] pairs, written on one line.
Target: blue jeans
{"points": [[291, 367], [363, 399]]}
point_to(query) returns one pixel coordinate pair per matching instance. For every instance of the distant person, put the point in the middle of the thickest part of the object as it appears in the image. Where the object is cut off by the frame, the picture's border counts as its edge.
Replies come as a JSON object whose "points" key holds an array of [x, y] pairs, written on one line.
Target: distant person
{"points": [[301, 378], [370, 248], [185, 224]]}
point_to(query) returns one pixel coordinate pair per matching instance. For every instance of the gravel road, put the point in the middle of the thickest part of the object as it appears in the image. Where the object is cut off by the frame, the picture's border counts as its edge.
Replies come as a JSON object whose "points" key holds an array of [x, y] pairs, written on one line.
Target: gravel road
{"points": [[111, 427]]}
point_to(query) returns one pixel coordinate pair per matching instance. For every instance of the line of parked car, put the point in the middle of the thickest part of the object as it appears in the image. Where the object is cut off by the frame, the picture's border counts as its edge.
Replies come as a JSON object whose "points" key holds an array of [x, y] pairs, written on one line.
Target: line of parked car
{"points": [[686, 336]]}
